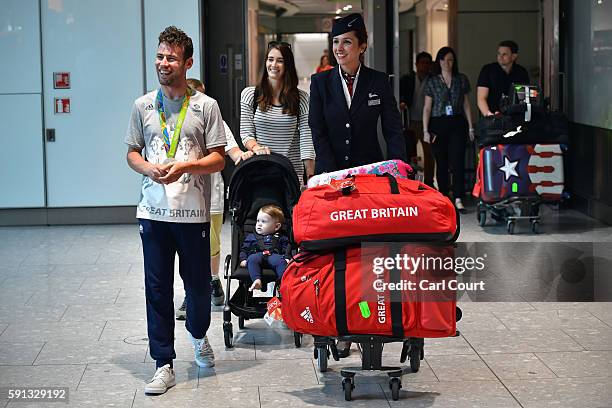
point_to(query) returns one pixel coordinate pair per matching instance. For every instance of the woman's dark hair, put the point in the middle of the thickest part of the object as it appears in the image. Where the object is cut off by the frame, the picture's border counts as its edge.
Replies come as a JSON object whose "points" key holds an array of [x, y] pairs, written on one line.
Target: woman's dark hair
{"points": [[321, 60], [440, 56], [362, 38], [289, 93], [362, 35]]}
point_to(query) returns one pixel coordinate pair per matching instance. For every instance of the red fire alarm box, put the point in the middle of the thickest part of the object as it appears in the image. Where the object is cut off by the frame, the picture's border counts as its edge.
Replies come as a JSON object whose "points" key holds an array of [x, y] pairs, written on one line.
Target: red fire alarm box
{"points": [[62, 105], [61, 80]]}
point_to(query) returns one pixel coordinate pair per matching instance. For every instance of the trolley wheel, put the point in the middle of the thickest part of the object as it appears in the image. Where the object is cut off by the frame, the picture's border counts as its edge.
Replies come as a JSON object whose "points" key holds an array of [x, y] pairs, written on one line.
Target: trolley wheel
{"points": [[395, 384], [415, 358], [322, 358], [228, 334], [347, 386], [511, 227], [240, 322], [535, 227], [482, 218], [297, 339], [458, 313]]}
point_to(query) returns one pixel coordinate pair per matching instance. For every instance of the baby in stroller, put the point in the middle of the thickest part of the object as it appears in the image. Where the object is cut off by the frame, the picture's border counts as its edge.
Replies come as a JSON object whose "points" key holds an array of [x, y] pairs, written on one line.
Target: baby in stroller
{"points": [[257, 185], [266, 247]]}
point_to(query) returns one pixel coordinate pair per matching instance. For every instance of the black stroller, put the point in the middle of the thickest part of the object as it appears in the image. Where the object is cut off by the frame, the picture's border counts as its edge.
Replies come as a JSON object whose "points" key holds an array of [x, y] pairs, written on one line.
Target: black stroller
{"points": [[259, 181]]}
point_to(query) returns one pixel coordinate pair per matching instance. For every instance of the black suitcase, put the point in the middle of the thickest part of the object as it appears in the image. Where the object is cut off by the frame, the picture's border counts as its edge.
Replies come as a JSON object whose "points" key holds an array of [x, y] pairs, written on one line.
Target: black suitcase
{"points": [[506, 129]]}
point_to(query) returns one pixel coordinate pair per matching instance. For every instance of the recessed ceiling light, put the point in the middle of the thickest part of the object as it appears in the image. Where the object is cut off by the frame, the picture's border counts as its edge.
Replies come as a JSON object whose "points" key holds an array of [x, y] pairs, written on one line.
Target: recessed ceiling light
{"points": [[349, 6], [338, 11]]}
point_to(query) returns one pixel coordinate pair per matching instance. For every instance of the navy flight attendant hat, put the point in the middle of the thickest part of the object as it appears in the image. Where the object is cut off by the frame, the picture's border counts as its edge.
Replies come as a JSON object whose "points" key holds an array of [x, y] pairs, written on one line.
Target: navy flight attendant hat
{"points": [[352, 22]]}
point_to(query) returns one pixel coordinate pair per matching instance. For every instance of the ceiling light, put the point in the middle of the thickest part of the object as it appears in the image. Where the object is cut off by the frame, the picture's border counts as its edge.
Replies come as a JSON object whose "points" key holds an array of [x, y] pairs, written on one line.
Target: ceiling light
{"points": [[345, 8], [338, 11]]}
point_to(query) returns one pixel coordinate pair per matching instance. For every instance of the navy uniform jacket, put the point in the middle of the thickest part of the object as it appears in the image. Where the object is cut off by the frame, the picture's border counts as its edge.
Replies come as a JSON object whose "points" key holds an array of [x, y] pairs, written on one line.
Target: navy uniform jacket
{"points": [[346, 138]]}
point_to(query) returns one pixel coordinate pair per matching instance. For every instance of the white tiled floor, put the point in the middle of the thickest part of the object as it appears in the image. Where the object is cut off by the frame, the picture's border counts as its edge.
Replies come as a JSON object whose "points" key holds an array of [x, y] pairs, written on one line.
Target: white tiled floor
{"points": [[72, 314]]}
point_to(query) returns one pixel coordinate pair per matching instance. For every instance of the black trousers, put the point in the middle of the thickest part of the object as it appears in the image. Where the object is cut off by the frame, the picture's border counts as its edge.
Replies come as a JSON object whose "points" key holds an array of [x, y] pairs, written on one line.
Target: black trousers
{"points": [[449, 149]]}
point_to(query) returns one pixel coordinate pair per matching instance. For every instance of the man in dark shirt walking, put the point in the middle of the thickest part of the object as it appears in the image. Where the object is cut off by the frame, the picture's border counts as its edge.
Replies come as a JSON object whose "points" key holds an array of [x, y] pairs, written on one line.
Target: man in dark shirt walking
{"points": [[495, 78]]}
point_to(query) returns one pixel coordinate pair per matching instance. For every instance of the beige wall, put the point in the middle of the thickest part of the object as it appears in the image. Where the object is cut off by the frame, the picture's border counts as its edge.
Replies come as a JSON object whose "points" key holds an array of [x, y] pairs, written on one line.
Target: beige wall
{"points": [[438, 31]]}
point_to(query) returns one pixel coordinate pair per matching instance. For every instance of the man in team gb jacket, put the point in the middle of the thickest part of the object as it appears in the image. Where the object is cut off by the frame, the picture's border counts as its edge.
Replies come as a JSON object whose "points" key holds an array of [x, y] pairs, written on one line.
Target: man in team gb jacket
{"points": [[346, 103]]}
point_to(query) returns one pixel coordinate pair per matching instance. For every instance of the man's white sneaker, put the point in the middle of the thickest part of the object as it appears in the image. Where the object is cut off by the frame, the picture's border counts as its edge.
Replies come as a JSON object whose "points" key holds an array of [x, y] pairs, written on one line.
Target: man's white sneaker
{"points": [[204, 356], [459, 205], [163, 379]]}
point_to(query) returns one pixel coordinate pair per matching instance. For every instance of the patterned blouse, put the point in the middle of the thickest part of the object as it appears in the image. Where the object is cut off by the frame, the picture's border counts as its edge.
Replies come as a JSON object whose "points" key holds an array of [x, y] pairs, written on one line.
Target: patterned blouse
{"points": [[440, 93]]}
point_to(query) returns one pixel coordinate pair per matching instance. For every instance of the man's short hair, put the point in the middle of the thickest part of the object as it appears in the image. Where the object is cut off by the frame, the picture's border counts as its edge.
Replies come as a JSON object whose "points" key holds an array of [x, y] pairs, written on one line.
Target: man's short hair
{"points": [[175, 36], [510, 44], [423, 54]]}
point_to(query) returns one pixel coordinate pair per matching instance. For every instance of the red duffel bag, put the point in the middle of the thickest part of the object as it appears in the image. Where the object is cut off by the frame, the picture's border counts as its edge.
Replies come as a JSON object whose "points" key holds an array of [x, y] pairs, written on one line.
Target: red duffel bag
{"points": [[342, 293], [370, 208]]}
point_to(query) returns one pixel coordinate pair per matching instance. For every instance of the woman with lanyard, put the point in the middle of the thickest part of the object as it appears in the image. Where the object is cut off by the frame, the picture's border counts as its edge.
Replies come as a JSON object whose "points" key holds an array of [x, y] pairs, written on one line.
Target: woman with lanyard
{"points": [[447, 120], [346, 103], [274, 115]]}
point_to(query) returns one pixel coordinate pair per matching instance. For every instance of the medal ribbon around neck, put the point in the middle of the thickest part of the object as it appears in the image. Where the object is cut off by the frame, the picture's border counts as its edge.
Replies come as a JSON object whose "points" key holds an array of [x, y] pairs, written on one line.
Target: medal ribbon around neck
{"points": [[170, 146]]}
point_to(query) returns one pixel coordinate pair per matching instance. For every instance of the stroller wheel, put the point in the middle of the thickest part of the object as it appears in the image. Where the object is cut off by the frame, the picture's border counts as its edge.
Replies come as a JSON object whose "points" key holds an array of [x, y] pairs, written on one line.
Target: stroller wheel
{"points": [[240, 322], [297, 339], [228, 334]]}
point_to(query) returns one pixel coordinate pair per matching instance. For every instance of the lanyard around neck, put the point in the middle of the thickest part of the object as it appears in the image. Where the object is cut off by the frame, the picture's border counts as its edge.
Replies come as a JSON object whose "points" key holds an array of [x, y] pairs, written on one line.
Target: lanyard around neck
{"points": [[448, 87], [170, 146]]}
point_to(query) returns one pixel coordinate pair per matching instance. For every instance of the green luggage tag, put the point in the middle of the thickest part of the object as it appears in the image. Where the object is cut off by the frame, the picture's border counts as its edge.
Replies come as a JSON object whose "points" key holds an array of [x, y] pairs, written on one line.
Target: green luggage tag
{"points": [[365, 309]]}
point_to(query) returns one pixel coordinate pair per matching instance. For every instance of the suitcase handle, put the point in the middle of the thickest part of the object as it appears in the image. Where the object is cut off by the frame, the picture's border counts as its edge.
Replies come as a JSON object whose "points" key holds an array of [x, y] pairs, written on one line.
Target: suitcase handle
{"points": [[392, 182]]}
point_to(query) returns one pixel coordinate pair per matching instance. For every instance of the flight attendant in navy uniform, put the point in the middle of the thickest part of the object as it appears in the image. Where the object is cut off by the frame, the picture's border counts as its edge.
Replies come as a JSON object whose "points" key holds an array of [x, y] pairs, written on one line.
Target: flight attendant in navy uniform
{"points": [[346, 103]]}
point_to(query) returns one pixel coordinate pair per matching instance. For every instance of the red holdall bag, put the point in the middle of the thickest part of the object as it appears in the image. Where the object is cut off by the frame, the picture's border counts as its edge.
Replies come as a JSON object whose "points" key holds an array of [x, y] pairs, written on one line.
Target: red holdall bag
{"points": [[372, 208], [338, 293]]}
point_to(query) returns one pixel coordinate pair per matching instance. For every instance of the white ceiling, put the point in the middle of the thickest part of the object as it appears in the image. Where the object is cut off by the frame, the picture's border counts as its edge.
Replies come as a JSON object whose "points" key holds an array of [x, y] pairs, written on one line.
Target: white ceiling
{"points": [[330, 7]]}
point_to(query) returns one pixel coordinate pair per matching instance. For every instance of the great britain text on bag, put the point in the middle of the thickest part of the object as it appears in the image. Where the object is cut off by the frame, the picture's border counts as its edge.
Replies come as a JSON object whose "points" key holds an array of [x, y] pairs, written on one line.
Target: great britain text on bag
{"points": [[372, 213]]}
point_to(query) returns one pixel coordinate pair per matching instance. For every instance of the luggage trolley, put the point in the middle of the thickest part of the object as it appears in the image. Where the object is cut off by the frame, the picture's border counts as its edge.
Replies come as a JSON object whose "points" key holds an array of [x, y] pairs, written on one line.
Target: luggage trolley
{"points": [[371, 347], [521, 159], [512, 210]]}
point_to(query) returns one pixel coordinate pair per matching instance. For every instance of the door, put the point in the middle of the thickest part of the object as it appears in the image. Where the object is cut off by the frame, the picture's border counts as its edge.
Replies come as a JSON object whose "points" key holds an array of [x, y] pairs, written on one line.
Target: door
{"points": [[21, 106], [99, 43]]}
